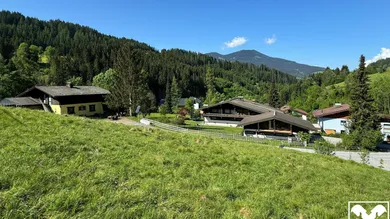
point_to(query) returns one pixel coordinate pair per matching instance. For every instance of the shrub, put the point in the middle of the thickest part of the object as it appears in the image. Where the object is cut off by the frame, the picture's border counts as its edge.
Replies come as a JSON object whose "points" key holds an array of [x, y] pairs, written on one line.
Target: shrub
{"points": [[179, 120], [304, 137], [163, 109], [362, 139], [365, 156], [323, 147], [183, 112], [175, 109], [196, 115]]}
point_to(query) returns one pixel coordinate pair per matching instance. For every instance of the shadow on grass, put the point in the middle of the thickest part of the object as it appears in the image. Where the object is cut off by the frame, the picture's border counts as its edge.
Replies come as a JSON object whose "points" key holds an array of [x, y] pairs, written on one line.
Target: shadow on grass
{"points": [[10, 115]]}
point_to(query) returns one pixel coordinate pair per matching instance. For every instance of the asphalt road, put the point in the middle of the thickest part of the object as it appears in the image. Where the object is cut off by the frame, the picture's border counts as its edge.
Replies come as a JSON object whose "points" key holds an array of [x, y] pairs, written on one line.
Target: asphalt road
{"points": [[374, 157]]}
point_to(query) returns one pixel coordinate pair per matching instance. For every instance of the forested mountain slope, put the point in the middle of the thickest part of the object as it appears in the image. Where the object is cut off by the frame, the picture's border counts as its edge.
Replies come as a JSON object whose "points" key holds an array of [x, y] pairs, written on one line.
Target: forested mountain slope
{"points": [[53, 52], [257, 58]]}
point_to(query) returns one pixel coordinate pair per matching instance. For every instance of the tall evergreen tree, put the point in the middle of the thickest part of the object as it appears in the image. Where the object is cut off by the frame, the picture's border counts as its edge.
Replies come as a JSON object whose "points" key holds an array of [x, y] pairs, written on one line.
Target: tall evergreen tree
{"points": [[363, 112], [168, 98], [5, 80], [363, 126], [210, 85], [273, 97], [175, 92]]}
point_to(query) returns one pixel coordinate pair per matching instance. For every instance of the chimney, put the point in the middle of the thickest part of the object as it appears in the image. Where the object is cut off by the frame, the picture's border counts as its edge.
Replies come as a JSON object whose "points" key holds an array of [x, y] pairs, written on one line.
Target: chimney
{"points": [[69, 84], [274, 113]]}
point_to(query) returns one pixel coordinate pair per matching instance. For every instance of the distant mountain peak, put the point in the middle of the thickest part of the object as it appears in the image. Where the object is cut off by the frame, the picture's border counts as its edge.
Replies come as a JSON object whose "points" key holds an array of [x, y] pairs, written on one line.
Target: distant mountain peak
{"points": [[258, 58]]}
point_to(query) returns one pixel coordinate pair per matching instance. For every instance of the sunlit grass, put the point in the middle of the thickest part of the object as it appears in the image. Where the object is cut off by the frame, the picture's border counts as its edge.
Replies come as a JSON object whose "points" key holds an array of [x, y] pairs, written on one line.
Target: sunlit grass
{"points": [[371, 77], [70, 167], [195, 125]]}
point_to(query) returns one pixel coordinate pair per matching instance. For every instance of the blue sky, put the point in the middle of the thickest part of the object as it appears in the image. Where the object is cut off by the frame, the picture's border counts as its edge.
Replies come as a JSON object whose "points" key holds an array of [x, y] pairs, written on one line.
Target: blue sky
{"points": [[324, 32]]}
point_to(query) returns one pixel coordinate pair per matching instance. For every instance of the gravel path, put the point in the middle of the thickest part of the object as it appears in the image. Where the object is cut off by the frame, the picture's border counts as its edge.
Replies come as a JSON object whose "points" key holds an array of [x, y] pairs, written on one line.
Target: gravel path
{"points": [[127, 121]]}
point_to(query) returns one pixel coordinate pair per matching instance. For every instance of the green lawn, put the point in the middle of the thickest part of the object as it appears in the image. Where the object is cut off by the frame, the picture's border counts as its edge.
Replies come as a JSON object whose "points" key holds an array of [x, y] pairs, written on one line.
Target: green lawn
{"points": [[190, 124], [69, 167]]}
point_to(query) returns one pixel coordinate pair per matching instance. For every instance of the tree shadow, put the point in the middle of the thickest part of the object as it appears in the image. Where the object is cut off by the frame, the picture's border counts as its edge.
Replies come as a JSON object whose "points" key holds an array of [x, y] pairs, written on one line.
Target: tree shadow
{"points": [[10, 115]]}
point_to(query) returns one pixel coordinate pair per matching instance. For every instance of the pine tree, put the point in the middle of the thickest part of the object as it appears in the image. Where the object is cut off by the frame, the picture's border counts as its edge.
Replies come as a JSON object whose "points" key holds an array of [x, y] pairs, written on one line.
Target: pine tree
{"points": [[175, 92], [363, 112], [168, 98], [5, 80], [273, 98], [211, 91], [363, 125]]}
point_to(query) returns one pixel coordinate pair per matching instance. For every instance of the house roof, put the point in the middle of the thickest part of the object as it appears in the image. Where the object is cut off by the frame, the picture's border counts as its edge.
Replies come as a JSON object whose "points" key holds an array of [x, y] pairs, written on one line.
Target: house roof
{"points": [[20, 101], [247, 104], [182, 101], [331, 110], [295, 121], [301, 111], [288, 108], [60, 91], [285, 108]]}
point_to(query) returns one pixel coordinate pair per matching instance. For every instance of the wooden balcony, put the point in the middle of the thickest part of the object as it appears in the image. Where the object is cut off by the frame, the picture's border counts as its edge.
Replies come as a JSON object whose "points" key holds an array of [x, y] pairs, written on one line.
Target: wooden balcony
{"points": [[276, 131], [225, 115]]}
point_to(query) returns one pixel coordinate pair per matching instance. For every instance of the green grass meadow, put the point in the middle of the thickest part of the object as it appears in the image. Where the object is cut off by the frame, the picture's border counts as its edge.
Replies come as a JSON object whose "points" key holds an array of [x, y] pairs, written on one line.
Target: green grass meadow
{"points": [[69, 167], [191, 124], [372, 77]]}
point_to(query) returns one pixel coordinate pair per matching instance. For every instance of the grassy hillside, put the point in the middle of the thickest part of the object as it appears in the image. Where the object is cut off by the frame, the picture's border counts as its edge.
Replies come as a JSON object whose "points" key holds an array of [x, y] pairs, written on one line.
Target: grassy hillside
{"points": [[64, 167], [372, 77]]}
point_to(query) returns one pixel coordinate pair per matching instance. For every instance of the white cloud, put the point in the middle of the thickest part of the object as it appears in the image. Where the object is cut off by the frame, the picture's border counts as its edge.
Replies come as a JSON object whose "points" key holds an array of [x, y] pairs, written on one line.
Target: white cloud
{"points": [[385, 53], [236, 41], [271, 40]]}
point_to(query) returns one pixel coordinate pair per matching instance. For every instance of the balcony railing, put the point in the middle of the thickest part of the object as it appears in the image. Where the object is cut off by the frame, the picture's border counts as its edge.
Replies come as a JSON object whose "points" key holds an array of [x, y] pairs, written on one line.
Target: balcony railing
{"points": [[225, 115]]}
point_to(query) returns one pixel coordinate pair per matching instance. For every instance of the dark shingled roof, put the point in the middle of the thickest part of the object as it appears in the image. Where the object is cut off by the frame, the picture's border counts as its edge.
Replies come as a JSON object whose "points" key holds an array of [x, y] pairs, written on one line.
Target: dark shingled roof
{"points": [[246, 104], [331, 110], [60, 91], [20, 101], [280, 117], [182, 101]]}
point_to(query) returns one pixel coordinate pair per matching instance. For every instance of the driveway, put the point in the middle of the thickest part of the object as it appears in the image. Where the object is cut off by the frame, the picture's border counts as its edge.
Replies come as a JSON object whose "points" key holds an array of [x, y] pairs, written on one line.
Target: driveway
{"points": [[127, 121], [374, 157]]}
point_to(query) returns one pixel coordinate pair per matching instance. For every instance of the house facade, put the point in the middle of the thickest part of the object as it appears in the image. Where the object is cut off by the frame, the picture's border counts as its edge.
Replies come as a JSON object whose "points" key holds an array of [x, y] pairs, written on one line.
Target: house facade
{"points": [[71, 100], [275, 124], [333, 120], [232, 112]]}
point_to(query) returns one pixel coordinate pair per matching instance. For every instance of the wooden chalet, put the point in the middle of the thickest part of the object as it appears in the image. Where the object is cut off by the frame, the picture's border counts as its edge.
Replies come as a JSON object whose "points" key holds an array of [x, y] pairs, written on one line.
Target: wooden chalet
{"points": [[231, 112], [275, 123]]}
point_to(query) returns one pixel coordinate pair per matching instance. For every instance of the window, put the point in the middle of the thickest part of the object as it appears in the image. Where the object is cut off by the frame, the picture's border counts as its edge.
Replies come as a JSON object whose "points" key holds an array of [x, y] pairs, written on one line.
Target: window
{"points": [[214, 110], [82, 108], [343, 122], [71, 110], [92, 108]]}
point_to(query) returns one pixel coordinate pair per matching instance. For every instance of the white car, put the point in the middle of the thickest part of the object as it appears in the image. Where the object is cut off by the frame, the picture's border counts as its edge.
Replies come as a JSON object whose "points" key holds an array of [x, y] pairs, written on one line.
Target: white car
{"points": [[385, 130]]}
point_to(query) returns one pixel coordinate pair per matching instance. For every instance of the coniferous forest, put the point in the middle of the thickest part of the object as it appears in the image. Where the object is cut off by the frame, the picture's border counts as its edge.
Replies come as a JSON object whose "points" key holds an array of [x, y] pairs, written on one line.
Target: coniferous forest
{"points": [[35, 52], [54, 52]]}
